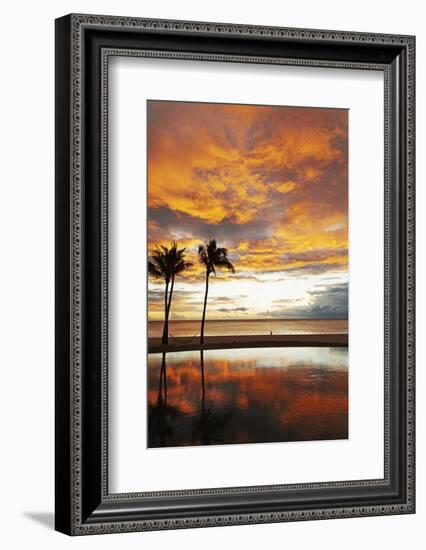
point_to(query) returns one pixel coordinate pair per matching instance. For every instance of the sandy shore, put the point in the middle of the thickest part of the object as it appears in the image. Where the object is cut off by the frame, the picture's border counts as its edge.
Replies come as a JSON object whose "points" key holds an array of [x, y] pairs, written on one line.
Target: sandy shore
{"points": [[263, 341]]}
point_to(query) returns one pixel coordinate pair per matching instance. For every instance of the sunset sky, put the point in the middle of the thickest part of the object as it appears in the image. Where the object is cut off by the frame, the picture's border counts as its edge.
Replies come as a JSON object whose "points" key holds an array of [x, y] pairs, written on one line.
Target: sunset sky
{"points": [[268, 183]]}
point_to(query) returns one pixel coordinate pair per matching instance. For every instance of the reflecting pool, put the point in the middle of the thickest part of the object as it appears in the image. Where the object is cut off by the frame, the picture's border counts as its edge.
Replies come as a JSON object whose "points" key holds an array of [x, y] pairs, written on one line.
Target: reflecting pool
{"points": [[252, 395]]}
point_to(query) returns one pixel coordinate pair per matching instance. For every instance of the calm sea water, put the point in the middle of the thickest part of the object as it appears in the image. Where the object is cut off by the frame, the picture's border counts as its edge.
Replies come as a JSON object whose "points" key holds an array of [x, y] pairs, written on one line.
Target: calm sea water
{"points": [[247, 396], [251, 327]]}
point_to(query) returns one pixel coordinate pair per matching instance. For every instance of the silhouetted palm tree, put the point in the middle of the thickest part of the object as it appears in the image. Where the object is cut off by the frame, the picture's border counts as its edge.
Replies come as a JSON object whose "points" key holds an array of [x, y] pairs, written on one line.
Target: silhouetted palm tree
{"points": [[165, 264], [211, 257]]}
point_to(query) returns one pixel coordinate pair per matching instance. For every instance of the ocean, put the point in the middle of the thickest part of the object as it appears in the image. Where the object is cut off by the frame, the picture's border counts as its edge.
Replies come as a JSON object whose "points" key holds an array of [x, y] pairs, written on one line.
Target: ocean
{"points": [[250, 327]]}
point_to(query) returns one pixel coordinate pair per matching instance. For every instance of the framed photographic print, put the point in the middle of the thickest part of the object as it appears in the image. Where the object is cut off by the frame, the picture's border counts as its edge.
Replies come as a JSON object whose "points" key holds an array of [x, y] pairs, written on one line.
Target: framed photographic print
{"points": [[234, 274]]}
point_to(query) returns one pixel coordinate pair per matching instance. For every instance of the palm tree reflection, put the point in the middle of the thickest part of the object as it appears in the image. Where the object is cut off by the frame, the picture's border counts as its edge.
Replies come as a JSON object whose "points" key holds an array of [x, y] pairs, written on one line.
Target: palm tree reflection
{"points": [[203, 386], [209, 425], [161, 416], [163, 382]]}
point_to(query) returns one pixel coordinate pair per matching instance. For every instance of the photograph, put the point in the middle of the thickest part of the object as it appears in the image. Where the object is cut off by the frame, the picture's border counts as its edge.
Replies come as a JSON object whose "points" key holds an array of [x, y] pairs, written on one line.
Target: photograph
{"points": [[234, 274], [248, 273]]}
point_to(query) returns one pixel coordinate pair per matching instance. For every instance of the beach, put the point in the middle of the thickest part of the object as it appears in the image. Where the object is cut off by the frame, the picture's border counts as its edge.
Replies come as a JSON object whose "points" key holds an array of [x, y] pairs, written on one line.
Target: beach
{"points": [[248, 341]]}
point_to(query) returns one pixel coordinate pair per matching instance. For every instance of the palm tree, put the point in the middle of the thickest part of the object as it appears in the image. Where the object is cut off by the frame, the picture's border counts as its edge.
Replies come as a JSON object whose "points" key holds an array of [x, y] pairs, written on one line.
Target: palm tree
{"points": [[165, 264], [211, 257]]}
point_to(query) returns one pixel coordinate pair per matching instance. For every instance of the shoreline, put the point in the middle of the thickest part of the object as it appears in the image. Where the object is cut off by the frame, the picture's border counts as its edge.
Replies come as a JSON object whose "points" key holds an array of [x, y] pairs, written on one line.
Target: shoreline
{"points": [[181, 343]]}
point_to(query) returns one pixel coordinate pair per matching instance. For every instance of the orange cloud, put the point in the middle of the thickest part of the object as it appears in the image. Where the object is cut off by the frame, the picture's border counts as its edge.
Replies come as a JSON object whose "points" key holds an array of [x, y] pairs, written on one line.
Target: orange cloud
{"points": [[270, 183], [286, 186]]}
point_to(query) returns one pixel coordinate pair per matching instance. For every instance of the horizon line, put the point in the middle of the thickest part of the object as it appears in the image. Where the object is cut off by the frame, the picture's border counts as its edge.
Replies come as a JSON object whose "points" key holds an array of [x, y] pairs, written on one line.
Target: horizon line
{"points": [[257, 319]]}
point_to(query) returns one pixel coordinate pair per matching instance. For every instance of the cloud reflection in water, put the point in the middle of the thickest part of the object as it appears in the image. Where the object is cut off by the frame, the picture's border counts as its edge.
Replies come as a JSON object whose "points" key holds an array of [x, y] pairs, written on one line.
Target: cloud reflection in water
{"points": [[247, 396]]}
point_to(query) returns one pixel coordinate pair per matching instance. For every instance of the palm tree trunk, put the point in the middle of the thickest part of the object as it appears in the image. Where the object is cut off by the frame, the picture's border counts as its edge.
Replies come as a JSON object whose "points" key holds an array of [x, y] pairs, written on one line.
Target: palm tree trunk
{"points": [[170, 297], [204, 309], [168, 303], [165, 338]]}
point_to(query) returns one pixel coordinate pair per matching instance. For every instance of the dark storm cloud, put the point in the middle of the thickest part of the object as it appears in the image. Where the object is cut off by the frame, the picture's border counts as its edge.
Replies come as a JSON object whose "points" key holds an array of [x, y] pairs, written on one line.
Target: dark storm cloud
{"points": [[328, 302], [332, 302], [181, 225]]}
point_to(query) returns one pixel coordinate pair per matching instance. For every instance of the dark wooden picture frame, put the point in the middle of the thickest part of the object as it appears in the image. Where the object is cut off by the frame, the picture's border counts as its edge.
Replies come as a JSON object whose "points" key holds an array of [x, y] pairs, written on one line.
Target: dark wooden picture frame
{"points": [[83, 46]]}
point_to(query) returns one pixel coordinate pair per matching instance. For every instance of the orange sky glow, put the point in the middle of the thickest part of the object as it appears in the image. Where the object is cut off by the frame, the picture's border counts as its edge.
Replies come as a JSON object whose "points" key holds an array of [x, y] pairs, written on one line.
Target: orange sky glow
{"points": [[270, 183]]}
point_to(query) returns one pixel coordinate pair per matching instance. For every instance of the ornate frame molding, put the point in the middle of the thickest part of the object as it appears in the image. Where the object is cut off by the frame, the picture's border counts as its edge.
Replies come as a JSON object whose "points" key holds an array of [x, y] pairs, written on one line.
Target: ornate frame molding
{"points": [[76, 25]]}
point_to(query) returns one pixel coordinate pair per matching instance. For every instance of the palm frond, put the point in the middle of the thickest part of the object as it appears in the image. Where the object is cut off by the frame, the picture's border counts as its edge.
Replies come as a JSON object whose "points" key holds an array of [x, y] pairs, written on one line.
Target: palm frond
{"points": [[211, 247], [166, 262], [202, 255], [224, 262], [211, 257], [181, 266], [153, 271], [159, 261], [221, 251]]}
